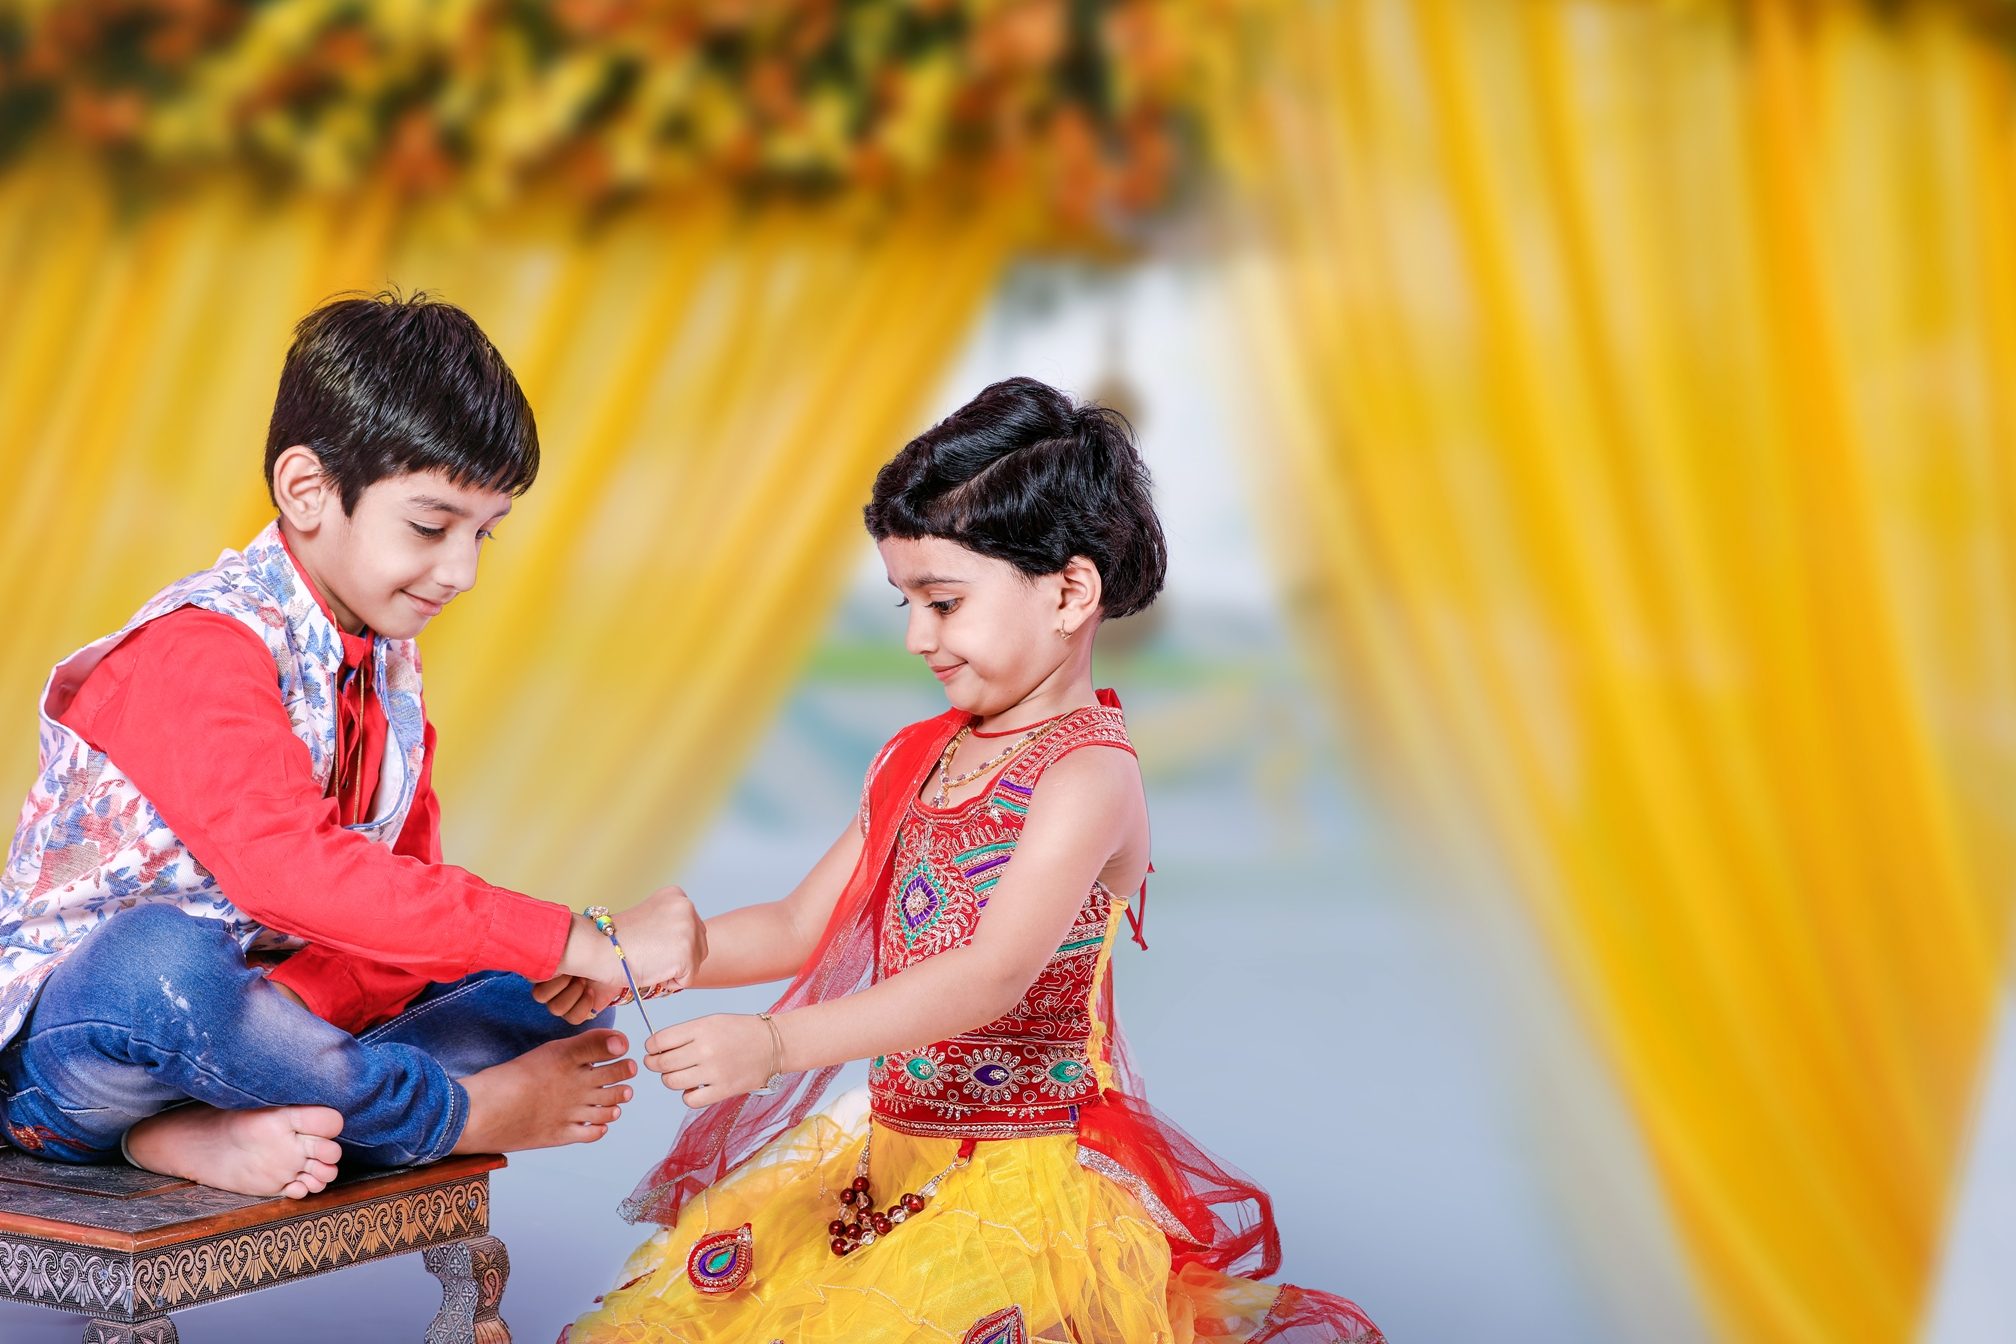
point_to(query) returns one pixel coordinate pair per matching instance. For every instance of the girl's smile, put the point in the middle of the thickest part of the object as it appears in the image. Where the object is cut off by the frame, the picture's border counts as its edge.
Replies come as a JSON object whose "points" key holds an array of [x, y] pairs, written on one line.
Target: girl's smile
{"points": [[998, 640]]}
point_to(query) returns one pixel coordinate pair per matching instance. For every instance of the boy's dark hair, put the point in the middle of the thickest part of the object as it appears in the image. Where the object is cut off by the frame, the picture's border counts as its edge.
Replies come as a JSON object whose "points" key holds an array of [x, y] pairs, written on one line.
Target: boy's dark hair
{"points": [[1021, 474], [381, 385]]}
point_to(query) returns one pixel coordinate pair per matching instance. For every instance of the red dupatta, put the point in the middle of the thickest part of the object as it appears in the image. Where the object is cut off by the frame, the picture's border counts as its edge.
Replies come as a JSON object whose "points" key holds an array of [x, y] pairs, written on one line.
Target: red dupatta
{"points": [[1226, 1221]]}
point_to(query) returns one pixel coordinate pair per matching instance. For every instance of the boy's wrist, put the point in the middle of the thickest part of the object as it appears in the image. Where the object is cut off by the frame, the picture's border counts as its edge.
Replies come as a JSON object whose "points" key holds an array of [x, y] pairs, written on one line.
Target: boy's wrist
{"points": [[588, 954]]}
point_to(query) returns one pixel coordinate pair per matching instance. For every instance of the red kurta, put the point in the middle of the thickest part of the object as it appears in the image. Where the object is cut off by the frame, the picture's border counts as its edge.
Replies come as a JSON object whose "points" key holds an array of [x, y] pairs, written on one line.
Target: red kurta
{"points": [[188, 706]]}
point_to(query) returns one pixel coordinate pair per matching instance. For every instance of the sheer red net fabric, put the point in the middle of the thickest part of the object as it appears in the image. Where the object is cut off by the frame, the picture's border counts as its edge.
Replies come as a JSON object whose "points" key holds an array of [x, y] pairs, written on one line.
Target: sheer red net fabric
{"points": [[714, 1141], [1215, 1217]]}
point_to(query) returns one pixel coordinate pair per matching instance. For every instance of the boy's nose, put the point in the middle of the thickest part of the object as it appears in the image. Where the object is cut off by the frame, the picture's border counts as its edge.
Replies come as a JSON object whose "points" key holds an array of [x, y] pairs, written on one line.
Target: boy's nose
{"points": [[457, 571]]}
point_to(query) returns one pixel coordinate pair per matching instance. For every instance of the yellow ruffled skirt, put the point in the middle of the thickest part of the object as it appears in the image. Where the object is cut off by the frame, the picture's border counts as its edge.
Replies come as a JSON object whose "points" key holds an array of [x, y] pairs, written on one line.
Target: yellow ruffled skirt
{"points": [[1022, 1225]]}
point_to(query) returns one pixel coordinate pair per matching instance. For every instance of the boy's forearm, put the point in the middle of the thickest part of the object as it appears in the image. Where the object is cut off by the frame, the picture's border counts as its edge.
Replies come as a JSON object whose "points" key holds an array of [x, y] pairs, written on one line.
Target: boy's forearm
{"points": [[752, 945], [949, 994]]}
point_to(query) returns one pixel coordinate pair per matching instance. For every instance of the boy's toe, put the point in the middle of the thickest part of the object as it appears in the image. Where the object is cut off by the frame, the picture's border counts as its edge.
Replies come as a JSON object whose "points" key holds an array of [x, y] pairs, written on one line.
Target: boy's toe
{"points": [[318, 1120]]}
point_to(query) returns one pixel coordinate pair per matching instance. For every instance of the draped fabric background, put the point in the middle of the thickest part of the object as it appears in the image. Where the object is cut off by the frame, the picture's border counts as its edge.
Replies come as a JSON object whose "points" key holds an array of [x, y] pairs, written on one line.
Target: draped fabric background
{"points": [[714, 391], [1643, 378]]}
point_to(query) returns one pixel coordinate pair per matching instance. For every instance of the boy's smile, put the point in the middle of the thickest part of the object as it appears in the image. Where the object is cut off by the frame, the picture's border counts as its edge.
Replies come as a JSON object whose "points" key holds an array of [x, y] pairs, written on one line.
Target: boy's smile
{"points": [[408, 548]]}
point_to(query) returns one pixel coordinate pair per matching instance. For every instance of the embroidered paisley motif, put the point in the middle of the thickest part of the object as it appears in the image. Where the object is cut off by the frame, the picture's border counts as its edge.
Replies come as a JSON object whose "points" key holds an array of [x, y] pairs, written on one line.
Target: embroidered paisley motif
{"points": [[1028, 1071]]}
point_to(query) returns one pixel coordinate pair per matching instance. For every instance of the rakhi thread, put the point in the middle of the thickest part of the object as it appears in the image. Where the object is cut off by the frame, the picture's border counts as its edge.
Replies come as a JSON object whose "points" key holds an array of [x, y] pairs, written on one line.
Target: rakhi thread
{"points": [[599, 914]]}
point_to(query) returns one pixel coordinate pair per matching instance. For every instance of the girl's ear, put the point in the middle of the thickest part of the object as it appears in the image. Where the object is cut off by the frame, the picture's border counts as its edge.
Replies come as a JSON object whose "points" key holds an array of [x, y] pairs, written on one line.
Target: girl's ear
{"points": [[300, 488], [1078, 596]]}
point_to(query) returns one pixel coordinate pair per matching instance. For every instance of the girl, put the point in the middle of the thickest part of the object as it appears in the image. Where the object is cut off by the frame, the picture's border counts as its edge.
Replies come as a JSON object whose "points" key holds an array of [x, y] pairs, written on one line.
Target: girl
{"points": [[1004, 1180]]}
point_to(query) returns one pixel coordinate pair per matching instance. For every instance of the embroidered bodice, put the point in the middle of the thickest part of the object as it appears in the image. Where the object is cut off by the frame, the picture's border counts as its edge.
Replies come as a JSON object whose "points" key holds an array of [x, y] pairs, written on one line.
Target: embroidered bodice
{"points": [[1028, 1071]]}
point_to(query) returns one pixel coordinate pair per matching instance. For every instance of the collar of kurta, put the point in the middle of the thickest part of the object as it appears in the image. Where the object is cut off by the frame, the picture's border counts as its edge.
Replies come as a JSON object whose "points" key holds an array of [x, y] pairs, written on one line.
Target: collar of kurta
{"points": [[356, 648]]}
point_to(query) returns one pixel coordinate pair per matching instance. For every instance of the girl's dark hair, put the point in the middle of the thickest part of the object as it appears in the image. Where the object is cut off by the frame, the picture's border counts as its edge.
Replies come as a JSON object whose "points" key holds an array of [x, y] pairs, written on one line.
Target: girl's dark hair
{"points": [[1023, 475], [383, 385]]}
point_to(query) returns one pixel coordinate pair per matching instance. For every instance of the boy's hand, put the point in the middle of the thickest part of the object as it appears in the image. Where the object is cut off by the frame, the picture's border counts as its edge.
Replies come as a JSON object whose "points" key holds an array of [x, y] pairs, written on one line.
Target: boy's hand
{"points": [[664, 937], [576, 997], [714, 1058]]}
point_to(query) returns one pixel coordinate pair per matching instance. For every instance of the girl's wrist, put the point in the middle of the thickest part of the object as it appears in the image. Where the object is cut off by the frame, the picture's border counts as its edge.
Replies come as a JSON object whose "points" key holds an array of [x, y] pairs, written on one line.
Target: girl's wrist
{"points": [[780, 1061]]}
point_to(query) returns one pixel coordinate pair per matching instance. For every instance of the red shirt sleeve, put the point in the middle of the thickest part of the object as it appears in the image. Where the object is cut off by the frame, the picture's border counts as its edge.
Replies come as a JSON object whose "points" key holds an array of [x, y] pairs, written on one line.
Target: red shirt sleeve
{"points": [[357, 993], [189, 707]]}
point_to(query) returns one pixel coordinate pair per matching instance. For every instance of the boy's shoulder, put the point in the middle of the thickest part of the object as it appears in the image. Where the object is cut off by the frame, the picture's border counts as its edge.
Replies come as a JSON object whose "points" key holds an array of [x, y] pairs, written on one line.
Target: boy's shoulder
{"points": [[227, 586]]}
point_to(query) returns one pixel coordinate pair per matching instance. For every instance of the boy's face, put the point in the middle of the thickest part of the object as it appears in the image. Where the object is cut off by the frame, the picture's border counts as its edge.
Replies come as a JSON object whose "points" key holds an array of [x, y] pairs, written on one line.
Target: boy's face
{"points": [[406, 551]]}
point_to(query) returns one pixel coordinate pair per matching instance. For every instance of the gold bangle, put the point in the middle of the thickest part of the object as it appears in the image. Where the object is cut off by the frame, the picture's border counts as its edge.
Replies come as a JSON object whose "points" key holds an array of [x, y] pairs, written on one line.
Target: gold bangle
{"points": [[770, 1088]]}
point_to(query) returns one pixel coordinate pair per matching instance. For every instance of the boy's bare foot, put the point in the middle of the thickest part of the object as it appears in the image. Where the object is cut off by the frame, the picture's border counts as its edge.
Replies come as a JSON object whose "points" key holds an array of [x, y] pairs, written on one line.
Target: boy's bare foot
{"points": [[281, 1150], [561, 1092]]}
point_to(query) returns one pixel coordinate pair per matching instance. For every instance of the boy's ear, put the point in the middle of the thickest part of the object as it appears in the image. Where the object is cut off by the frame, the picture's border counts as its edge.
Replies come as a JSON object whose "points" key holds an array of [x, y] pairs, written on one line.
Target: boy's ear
{"points": [[301, 489], [1080, 594]]}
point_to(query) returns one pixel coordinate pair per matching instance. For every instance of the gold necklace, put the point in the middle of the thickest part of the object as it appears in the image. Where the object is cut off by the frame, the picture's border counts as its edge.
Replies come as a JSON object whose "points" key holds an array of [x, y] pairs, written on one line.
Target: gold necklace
{"points": [[948, 782]]}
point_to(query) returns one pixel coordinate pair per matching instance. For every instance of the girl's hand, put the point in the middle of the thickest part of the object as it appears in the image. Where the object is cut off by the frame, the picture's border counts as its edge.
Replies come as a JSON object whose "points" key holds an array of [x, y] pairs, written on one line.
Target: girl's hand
{"points": [[714, 1058], [575, 997]]}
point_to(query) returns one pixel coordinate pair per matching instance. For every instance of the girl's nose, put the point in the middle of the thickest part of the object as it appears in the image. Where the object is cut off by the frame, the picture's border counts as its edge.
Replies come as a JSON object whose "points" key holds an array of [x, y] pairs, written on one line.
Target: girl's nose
{"points": [[919, 636]]}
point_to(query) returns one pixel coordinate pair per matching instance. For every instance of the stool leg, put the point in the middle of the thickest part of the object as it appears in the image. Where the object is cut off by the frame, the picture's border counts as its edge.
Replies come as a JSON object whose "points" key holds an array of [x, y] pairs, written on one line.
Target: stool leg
{"points": [[158, 1330], [472, 1275]]}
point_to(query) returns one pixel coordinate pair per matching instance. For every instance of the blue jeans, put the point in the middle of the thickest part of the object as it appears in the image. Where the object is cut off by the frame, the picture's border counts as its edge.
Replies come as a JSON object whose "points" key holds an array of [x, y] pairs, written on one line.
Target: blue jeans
{"points": [[156, 1007]]}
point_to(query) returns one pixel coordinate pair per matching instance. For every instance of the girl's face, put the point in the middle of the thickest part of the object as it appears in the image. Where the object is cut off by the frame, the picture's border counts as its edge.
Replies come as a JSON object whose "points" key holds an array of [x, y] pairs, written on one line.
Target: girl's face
{"points": [[988, 632]]}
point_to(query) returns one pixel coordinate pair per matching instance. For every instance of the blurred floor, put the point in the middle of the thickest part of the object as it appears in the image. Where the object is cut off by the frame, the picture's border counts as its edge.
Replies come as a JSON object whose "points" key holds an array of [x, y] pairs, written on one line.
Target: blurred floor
{"points": [[1974, 1301]]}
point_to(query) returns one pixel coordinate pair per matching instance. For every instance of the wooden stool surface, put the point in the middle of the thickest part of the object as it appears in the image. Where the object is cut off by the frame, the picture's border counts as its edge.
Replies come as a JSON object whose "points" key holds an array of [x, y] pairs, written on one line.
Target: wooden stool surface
{"points": [[125, 1245]]}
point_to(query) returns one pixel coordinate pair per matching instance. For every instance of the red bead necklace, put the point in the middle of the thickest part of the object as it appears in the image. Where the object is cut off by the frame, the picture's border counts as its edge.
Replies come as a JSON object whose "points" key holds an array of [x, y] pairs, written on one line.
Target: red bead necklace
{"points": [[860, 1223]]}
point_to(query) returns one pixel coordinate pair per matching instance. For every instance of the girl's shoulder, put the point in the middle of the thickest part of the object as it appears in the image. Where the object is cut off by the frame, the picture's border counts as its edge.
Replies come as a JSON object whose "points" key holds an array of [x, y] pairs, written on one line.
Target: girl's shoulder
{"points": [[1093, 726]]}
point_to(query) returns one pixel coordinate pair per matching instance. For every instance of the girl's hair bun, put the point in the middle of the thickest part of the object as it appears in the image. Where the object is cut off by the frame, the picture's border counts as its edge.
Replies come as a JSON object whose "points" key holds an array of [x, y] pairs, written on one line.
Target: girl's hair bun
{"points": [[1023, 474]]}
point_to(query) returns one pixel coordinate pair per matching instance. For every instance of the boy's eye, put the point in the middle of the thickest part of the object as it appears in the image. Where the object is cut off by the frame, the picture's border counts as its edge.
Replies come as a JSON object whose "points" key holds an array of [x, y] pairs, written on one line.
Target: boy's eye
{"points": [[431, 533]]}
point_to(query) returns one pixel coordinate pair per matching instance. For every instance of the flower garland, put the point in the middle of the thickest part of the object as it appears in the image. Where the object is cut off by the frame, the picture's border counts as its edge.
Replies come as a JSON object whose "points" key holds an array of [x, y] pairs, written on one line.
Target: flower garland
{"points": [[1093, 103]]}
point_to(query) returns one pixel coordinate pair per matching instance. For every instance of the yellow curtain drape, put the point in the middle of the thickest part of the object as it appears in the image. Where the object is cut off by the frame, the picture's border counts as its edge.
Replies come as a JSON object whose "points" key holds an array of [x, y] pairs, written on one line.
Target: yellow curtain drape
{"points": [[1643, 381], [715, 386]]}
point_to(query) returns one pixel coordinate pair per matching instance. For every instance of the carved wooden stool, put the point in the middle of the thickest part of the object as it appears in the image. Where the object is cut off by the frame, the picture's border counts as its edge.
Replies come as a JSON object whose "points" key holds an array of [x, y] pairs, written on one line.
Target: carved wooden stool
{"points": [[126, 1247]]}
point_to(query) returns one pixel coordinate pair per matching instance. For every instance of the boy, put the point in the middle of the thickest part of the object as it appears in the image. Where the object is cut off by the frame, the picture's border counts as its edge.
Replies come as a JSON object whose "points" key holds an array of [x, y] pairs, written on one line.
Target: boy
{"points": [[226, 885]]}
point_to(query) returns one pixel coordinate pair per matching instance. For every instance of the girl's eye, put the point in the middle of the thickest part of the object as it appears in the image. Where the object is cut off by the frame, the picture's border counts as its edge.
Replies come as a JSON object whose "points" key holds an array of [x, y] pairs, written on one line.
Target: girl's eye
{"points": [[486, 535], [902, 604], [431, 533], [945, 606]]}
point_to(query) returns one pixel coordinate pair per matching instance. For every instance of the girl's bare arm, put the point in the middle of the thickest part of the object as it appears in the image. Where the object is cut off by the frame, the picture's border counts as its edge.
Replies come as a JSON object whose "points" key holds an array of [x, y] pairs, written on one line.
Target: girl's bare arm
{"points": [[1084, 804], [770, 941]]}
